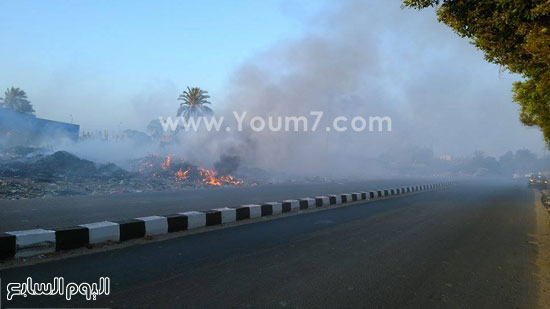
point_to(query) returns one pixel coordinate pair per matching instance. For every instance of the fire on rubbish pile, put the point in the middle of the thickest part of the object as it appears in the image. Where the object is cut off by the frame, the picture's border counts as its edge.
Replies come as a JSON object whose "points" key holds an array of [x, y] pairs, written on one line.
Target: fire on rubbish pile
{"points": [[39, 175], [183, 171]]}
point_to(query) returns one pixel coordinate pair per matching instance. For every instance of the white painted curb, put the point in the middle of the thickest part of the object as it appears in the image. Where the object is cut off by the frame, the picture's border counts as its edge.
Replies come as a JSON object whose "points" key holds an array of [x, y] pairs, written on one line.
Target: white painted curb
{"points": [[277, 207], [195, 219], [310, 201], [255, 210], [228, 214], [102, 231], [33, 242], [337, 197], [325, 199], [155, 225], [348, 197], [294, 204]]}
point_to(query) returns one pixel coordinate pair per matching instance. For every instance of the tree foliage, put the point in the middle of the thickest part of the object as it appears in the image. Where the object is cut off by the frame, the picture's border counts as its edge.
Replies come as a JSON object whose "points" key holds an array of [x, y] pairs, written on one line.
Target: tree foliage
{"points": [[514, 34], [194, 103], [16, 99]]}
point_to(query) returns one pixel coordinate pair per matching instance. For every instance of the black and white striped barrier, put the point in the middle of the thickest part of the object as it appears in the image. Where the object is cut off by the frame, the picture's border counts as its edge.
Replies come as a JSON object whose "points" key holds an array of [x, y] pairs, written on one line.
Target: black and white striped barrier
{"points": [[43, 241]]}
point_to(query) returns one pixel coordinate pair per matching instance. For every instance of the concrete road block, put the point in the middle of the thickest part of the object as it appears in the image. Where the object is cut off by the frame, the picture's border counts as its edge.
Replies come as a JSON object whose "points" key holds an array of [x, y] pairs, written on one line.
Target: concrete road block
{"points": [[255, 210], [102, 231], [71, 238], [307, 202], [213, 217], [294, 204], [155, 225], [195, 219], [7, 246], [228, 214], [346, 198], [176, 222], [33, 242], [322, 201], [131, 229], [372, 195], [336, 198], [276, 207]]}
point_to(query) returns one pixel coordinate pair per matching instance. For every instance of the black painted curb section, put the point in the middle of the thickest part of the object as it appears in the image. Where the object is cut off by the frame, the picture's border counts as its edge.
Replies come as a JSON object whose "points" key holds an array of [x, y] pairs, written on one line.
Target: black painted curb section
{"points": [[176, 222], [267, 210], [213, 217], [242, 213], [304, 204], [131, 229], [286, 207], [71, 238], [7, 246]]}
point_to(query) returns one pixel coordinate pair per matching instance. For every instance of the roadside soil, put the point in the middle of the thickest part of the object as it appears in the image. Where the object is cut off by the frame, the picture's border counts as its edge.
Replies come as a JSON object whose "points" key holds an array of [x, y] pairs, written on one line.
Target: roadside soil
{"points": [[543, 258]]}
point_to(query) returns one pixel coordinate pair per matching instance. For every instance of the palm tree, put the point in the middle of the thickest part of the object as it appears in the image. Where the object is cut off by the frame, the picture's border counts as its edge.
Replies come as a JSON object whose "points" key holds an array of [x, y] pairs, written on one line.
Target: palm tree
{"points": [[194, 100], [16, 99]]}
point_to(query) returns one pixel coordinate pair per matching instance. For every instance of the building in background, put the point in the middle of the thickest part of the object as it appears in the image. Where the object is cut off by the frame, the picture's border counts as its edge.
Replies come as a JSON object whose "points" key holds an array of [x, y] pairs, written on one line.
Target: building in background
{"points": [[21, 129]]}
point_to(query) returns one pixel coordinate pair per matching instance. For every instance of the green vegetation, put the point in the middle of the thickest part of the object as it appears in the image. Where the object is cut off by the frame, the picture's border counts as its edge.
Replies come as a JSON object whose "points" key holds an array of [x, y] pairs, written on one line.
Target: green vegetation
{"points": [[514, 34], [16, 99], [194, 103]]}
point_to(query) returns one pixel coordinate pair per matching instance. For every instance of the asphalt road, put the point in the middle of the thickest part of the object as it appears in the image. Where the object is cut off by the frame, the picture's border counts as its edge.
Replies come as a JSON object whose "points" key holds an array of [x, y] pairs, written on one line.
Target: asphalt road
{"points": [[466, 246], [72, 210]]}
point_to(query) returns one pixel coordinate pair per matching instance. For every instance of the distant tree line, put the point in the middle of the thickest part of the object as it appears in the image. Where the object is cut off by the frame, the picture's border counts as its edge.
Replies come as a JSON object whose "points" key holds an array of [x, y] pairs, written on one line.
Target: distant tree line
{"points": [[421, 161]]}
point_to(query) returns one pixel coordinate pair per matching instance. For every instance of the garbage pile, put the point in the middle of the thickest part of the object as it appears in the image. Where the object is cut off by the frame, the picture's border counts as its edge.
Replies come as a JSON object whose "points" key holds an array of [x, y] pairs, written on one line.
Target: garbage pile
{"points": [[30, 173]]}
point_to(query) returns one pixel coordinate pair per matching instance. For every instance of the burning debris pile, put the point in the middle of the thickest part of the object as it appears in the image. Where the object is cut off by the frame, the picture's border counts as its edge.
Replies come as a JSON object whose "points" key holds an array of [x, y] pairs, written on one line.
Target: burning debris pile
{"points": [[31, 174], [155, 166]]}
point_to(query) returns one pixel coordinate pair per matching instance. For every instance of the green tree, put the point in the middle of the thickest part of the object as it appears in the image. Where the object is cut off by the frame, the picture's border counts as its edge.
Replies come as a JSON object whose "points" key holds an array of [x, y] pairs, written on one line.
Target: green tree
{"points": [[512, 33], [16, 99], [194, 103]]}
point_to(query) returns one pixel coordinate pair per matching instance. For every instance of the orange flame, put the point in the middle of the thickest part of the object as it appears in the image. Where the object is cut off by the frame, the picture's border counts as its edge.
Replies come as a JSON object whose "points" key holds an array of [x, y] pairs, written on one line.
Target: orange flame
{"points": [[209, 177], [166, 163], [205, 176], [182, 175]]}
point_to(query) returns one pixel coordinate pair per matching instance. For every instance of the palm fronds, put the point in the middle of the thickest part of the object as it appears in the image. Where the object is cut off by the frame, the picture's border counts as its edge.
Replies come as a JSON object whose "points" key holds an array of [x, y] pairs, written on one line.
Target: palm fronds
{"points": [[193, 105]]}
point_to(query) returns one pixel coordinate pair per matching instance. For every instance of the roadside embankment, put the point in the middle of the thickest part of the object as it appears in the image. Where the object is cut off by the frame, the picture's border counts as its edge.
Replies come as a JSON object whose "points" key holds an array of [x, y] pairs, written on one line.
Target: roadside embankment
{"points": [[542, 210]]}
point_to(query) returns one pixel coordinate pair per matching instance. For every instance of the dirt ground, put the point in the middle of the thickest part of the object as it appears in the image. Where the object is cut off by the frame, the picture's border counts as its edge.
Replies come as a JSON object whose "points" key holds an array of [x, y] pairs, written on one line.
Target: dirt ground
{"points": [[543, 258]]}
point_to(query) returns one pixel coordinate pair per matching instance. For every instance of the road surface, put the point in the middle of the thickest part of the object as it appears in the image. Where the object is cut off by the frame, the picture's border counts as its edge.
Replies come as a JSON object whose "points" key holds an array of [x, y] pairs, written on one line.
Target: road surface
{"points": [[466, 246], [72, 210]]}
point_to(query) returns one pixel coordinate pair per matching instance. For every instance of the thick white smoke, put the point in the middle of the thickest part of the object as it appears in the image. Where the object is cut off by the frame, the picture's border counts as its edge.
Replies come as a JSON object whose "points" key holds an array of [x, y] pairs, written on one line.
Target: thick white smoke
{"points": [[371, 58], [357, 58]]}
